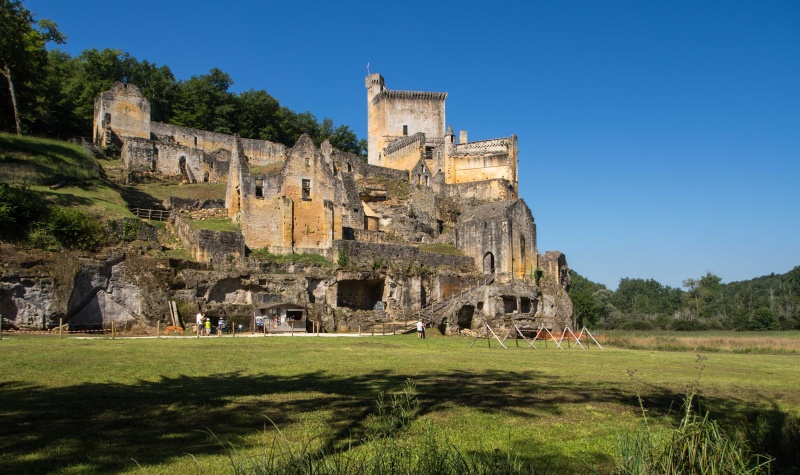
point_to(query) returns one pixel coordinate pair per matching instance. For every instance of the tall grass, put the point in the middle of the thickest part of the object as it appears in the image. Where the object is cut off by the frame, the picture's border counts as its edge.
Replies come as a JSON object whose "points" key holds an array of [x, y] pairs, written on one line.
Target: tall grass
{"points": [[698, 445], [381, 450], [712, 342]]}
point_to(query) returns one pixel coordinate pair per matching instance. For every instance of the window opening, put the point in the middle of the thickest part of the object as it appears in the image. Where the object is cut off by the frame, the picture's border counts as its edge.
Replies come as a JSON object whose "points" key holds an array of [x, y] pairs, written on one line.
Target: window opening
{"points": [[259, 188], [405, 130], [306, 189]]}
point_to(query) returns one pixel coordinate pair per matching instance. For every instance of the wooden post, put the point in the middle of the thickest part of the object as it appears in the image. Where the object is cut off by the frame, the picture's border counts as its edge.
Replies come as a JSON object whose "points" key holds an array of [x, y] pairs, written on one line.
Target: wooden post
{"points": [[233, 331], [1, 327], [60, 328], [383, 329], [373, 330], [292, 329], [112, 330], [158, 329], [359, 329], [319, 324], [393, 330]]}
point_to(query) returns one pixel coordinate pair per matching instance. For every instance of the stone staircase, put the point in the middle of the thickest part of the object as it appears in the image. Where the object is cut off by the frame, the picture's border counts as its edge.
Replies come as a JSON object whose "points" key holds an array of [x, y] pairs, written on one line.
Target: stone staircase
{"points": [[426, 313]]}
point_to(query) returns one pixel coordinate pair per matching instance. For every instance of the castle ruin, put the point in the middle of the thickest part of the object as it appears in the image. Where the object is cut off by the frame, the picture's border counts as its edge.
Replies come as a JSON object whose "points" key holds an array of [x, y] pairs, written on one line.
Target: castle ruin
{"points": [[418, 189]]}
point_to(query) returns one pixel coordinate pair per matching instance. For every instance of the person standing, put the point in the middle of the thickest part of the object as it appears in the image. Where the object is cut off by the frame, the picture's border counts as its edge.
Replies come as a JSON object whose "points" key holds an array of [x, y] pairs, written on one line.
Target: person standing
{"points": [[208, 326], [420, 329], [199, 322]]}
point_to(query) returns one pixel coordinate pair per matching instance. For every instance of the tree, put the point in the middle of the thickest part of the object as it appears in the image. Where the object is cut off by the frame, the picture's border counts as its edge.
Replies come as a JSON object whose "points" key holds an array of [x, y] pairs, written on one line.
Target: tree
{"points": [[258, 116], [22, 49], [203, 102]]}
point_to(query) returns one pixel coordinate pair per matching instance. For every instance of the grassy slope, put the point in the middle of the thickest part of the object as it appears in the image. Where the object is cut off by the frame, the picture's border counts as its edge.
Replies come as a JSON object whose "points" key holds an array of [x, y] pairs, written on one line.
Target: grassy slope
{"points": [[42, 162], [106, 403]]}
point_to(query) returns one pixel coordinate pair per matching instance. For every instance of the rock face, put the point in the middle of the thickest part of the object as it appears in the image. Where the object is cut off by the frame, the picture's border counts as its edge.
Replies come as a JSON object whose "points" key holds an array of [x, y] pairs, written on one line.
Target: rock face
{"points": [[84, 292]]}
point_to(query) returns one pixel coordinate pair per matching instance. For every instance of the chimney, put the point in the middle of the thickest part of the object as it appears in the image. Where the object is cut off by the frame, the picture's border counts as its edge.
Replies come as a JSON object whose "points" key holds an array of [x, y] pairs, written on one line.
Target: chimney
{"points": [[462, 136]]}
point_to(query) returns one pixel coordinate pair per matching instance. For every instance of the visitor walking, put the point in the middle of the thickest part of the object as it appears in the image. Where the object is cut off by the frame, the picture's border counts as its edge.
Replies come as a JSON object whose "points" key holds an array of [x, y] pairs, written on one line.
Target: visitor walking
{"points": [[199, 322], [420, 329], [208, 326]]}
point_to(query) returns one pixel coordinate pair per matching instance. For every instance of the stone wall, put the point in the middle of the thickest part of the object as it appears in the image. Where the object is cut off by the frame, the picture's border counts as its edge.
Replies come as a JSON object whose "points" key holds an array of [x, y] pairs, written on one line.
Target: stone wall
{"points": [[394, 114], [351, 163], [138, 155], [123, 111], [212, 247], [501, 237], [260, 152], [487, 190], [399, 255], [404, 153]]}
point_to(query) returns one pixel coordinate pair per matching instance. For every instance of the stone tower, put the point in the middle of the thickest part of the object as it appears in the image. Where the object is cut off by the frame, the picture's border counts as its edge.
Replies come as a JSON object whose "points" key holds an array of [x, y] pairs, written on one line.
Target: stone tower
{"points": [[396, 115]]}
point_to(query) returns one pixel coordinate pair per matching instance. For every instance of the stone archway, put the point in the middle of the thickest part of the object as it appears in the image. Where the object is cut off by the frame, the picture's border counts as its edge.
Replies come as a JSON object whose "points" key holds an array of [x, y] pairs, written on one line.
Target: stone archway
{"points": [[488, 263]]}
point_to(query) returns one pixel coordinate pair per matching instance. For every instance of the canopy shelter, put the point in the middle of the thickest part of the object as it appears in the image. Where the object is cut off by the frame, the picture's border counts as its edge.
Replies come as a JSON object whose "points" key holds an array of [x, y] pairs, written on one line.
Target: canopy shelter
{"points": [[280, 317]]}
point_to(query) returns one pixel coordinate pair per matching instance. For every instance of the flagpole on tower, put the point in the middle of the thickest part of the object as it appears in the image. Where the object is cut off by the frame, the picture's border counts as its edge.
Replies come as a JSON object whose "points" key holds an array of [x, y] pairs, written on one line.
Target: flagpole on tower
{"points": [[368, 68]]}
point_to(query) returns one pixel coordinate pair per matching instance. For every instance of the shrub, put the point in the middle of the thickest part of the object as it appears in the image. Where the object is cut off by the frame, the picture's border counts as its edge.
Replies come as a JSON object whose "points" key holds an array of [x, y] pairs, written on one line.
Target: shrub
{"points": [[74, 229], [19, 209], [636, 325]]}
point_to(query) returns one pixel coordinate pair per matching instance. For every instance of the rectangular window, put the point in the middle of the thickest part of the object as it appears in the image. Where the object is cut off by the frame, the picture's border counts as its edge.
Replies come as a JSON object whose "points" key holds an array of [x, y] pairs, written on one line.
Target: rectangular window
{"points": [[259, 188], [306, 189], [405, 130]]}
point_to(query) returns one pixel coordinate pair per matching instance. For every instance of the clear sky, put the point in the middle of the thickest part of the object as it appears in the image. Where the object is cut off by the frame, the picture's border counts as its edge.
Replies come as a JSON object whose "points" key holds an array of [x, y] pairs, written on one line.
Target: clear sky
{"points": [[658, 139]]}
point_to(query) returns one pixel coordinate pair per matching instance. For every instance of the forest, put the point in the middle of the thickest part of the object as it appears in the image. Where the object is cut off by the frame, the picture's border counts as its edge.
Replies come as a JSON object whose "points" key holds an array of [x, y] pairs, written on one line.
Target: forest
{"points": [[770, 302], [51, 94]]}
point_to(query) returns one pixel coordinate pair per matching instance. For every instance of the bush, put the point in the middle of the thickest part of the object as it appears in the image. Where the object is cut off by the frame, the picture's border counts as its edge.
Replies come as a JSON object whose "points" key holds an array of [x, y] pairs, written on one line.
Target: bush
{"points": [[73, 229], [686, 325], [637, 325], [19, 209]]}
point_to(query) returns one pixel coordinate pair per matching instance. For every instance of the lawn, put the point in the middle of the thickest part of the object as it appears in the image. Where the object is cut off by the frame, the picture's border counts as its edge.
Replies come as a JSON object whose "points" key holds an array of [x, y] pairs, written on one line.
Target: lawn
{"points": [[180, 405]]}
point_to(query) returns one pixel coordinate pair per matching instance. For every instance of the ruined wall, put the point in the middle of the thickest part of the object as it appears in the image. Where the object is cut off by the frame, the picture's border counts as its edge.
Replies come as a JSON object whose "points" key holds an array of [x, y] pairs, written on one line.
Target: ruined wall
{"points": [[501, 236], [213, 247], [176, 159], [554, 284], [138, 155], [124, 111], [488, 190], [494, 159], [259, 152], [404, 153], [303, 213], [351, 163], [399, 256]]}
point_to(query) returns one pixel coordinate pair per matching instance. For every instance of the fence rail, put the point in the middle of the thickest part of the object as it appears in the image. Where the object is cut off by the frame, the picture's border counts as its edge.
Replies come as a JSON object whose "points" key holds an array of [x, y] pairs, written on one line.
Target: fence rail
{"points": [[157, 214]]}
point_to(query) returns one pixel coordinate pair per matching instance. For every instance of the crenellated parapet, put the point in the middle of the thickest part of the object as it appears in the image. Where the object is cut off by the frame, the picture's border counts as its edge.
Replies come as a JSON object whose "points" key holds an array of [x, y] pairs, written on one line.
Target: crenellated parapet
{"points": [[399, 144], [409, 95], [484, 146]]}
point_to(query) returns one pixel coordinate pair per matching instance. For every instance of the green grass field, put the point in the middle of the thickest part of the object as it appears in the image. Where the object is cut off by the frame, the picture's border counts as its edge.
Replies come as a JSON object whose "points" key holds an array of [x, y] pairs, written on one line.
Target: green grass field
{"points": [[152, 405]]}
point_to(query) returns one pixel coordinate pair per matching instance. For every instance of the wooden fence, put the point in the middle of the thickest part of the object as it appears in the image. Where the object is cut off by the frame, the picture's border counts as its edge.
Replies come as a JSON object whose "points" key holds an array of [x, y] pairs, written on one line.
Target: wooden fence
{"points": [[157, 214]]}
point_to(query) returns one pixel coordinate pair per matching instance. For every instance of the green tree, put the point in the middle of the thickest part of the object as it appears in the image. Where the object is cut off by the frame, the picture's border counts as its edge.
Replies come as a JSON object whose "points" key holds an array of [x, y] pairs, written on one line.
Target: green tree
{"points": [[203, 102], [646, 297], [22, 52], [584, 308], [258, 115]]}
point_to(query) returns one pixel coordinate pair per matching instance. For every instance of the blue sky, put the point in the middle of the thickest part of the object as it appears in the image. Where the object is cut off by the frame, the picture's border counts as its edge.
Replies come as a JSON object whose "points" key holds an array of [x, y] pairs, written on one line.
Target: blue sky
{"points": [[657, 139]]}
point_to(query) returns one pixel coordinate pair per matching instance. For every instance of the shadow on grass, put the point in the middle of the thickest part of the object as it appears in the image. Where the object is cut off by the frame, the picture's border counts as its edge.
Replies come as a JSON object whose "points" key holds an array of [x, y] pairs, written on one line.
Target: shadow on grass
{"points": [[104, 426], [136, 198]]}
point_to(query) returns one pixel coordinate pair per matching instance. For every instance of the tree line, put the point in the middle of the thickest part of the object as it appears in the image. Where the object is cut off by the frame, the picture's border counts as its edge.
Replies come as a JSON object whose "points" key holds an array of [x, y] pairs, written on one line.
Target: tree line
{"points": [[51, 93], [769, 302]]}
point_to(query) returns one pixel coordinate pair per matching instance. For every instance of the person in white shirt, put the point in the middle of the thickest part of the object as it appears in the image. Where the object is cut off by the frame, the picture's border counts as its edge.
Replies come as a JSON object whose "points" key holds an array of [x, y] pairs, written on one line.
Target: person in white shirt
{"points": [[199, 322], [420, 329]]}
